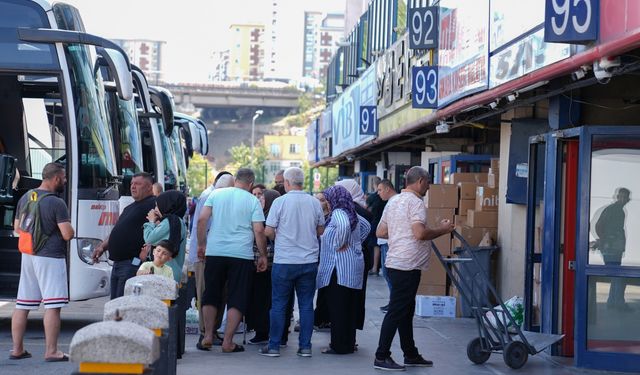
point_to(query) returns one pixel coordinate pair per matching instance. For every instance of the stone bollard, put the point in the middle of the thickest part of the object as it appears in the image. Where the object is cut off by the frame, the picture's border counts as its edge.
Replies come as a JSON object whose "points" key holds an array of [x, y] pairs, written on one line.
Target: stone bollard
{"points": [[164, 289], [114, 348]]}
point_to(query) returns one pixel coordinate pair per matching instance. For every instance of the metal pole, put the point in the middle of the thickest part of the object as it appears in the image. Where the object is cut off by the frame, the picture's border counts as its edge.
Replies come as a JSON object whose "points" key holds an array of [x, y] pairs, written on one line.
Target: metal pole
{"points": [[253, 130]]}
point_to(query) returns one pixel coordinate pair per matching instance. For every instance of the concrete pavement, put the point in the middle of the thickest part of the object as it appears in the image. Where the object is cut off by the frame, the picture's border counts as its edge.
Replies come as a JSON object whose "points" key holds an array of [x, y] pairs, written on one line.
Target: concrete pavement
{"points": [[441, 340]]}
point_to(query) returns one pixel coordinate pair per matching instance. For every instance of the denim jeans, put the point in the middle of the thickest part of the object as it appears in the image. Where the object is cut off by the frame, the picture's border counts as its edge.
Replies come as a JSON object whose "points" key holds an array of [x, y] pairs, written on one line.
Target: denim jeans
{"points": [[384, 248], [285, 278], [399, 317], [122, 271]]}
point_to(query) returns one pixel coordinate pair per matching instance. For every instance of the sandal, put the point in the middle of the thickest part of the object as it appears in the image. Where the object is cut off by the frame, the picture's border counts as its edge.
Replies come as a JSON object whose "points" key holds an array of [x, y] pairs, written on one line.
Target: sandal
{"points": [[236, 349], [25, 354], [64, 358], [328, 351]]}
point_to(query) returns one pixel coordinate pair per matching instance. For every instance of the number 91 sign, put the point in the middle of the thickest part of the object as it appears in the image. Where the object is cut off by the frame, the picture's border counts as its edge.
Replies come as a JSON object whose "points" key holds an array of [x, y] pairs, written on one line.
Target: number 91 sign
{"points": [[368, 120], [424, 87]]}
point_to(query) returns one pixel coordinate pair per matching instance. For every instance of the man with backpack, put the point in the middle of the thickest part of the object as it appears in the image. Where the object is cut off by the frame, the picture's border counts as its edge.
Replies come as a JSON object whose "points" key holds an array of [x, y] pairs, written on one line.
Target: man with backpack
{"points": [[43, 223]]}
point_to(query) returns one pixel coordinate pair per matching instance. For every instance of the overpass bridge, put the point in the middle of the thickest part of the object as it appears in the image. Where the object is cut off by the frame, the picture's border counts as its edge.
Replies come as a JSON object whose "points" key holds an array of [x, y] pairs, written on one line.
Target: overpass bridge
{"points": [[225, 101]]}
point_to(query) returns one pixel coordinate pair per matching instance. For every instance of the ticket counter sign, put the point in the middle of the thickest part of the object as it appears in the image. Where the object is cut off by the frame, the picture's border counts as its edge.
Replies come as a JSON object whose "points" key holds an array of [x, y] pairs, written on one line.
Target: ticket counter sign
{"points": [[463, 49]]}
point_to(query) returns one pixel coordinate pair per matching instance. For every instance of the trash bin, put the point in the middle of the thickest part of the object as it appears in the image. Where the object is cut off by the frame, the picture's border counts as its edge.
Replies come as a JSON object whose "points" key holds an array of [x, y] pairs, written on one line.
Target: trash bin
{"points": [[479, 289]]}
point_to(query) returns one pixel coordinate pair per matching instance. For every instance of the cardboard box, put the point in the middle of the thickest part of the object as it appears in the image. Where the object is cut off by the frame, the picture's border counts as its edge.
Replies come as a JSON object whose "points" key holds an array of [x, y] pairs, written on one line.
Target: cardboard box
{"points": [[468, 190], [466, 204], [482, 219], [495, 164], [432, 290], [453, 292], [486, 199], [442, 196], [473, 235], [478, 178], [492, 180], [435, 274], [444, 245], [436, 306], [436, 215], [460, 220]]}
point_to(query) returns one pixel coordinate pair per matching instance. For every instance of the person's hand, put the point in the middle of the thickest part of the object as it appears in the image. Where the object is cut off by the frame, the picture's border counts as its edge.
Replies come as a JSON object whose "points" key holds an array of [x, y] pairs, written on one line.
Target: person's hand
{"points": [[261, 266], [143, 272], [144, 252], [343, 248], [447, 226], [201, 252], [97, 252], [152, 216]]}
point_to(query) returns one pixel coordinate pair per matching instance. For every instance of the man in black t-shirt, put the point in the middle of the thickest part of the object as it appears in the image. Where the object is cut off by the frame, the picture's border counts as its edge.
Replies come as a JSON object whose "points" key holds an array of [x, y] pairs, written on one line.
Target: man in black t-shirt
{"points": [[125, 243], [43, 276]]}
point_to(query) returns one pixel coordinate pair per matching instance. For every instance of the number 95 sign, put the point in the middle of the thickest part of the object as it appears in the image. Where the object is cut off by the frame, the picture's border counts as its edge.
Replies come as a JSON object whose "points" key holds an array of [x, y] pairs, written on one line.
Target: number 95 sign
{"points": [[571, 20], [424, 87]]}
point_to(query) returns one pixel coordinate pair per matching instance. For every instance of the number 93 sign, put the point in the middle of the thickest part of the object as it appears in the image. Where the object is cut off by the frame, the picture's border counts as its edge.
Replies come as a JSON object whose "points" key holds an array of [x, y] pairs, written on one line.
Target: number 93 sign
{"points": [[424, 87], [571, 20]]}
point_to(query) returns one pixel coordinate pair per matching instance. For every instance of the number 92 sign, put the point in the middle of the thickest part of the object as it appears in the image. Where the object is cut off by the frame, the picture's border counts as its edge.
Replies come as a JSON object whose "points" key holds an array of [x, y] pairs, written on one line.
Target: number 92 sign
{"points": [[424, 87], [571, 20]]}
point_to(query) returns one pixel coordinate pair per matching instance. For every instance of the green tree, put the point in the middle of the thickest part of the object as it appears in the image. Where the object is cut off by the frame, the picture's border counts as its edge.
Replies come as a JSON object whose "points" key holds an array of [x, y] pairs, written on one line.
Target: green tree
{"points": [[199, 175], [241, 158], [328, 177]]}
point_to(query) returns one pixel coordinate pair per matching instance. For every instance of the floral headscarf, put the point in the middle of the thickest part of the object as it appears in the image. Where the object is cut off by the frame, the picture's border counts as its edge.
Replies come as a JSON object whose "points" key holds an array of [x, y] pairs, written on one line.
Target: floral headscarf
{"points": [[339, 197], [357, 195]]}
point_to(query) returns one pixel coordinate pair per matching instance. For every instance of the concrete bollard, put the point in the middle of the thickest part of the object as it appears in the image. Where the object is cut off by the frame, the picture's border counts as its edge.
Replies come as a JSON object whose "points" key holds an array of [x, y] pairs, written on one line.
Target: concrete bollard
{"points": [[164, 289], [116, 347]]}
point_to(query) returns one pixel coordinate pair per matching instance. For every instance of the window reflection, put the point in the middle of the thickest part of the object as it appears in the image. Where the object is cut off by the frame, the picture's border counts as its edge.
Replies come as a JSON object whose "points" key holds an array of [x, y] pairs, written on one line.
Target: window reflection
{"points": [[615, 201], [612, 325]]}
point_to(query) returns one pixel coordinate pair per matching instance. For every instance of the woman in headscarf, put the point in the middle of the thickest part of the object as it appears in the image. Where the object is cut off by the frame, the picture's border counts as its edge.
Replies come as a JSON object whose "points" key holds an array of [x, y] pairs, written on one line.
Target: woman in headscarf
{"points": [[341, 267], [260, 302], [166, 222], [368, 242]]}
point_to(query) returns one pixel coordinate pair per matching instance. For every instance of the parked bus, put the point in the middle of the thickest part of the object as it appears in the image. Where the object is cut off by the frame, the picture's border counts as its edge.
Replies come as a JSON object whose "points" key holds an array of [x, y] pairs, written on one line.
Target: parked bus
{"points": [[53, 107]]}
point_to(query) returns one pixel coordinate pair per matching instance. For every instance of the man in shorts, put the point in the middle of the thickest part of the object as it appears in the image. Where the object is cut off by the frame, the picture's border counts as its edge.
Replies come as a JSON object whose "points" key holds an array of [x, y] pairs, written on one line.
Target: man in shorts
{"points": [[43, 277], [237, 219]]}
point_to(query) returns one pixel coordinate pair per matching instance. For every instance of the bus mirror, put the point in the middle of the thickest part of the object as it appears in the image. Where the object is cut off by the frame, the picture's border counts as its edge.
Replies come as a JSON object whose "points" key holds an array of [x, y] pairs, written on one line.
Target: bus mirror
{"points": [[162, 101], [120, 71]]}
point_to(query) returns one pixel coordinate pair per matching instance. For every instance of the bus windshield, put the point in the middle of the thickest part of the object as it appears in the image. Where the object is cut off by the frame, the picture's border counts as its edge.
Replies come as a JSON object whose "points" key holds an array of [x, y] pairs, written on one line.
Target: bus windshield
{"points": [[169, 157], [128, 140], [97, 156], [180, 156]]}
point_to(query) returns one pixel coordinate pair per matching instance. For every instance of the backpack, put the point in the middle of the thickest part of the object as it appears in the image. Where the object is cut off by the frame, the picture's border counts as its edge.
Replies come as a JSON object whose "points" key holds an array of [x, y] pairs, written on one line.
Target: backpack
{"points": [[31, 236]]}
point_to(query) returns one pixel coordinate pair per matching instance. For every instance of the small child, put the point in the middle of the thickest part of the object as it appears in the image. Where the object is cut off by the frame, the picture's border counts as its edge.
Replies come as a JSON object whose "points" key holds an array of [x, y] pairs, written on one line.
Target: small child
{"points": [[162, 253]]}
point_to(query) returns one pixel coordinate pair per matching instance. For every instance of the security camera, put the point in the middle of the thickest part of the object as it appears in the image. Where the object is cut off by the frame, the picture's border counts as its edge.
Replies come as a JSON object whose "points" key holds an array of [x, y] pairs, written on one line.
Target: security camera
{"points": [[512, 97], [578, 75], [493, 105], [603, 68]]}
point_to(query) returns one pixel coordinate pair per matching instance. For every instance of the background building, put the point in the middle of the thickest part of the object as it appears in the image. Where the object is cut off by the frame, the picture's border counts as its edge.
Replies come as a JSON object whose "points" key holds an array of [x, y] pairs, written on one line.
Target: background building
{"points": [[321, 35], [284, 151], [146, 54], [246, 54], [220, 64]]}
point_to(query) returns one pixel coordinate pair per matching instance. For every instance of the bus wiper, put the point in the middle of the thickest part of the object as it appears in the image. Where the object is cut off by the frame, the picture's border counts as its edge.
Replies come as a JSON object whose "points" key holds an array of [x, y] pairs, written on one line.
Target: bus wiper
{"points": [[114, 183]]}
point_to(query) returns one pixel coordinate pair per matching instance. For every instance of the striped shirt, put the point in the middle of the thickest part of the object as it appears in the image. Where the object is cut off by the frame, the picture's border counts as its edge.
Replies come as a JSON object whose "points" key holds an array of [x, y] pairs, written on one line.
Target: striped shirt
{"points": [[348, 263]]}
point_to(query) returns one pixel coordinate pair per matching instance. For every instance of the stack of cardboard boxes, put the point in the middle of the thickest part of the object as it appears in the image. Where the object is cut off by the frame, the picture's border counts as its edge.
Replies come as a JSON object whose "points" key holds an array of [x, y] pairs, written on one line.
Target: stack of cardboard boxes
{"points": [[471, 202]]}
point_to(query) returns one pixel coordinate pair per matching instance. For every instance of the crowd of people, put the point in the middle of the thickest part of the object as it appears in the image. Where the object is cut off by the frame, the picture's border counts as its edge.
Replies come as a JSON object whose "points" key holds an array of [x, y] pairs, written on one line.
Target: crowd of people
{"points": [[255, 250]]}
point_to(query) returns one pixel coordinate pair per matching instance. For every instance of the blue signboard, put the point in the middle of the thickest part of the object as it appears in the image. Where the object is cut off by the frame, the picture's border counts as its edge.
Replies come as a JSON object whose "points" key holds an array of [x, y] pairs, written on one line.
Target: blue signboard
{"points": [[368, 120], [424, 87], [571, 21], [423, 27]]}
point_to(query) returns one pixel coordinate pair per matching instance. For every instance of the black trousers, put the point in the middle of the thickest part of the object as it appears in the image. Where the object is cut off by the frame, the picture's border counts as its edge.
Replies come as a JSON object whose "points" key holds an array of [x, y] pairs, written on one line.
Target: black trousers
{"points": [[402, 306], [259, 305], [343, 305], [321, 313]]}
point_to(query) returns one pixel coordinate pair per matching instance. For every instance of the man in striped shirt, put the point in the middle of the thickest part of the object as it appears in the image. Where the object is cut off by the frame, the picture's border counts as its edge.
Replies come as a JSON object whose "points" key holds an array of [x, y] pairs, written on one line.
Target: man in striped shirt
{"points": [[404, 223]]}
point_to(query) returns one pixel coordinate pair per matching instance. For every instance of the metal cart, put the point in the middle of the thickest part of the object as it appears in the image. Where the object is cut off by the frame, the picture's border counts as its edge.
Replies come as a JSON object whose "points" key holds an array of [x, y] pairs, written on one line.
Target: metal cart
{"points": [[497, 330]]}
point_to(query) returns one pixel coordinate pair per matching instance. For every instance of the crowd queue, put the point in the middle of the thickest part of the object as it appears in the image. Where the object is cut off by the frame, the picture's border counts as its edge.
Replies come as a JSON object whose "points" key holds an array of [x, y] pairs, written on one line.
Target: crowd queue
{"points": [[253, 249]]}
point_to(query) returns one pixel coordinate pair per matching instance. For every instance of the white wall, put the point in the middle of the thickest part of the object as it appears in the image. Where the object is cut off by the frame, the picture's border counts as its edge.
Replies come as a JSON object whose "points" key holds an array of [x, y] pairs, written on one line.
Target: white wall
{"points": [[511, 230]]}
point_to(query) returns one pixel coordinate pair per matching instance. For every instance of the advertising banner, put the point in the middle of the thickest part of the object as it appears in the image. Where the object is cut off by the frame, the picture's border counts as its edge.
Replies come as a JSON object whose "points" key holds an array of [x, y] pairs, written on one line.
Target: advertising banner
{"points": [[525, 56], [508, 23], [463, 52], [312, 141], [346, 113]]}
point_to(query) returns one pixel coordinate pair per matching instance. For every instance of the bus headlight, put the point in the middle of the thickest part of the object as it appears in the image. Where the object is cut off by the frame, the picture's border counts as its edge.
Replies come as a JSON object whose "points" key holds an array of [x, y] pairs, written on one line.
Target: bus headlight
{"points": [[86, 246]]}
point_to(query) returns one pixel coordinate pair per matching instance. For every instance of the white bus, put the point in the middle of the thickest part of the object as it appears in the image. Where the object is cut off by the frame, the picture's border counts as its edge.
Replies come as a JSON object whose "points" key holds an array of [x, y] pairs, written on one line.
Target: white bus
{"points": [[53, 106]]}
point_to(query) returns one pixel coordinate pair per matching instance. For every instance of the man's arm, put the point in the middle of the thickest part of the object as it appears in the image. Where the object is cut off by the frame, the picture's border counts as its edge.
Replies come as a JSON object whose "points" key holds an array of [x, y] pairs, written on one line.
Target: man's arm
{"points": [[382, 231], [319, 230], [424, 233], [261, 243], [201, 235], [270, 232], [66, 230]]}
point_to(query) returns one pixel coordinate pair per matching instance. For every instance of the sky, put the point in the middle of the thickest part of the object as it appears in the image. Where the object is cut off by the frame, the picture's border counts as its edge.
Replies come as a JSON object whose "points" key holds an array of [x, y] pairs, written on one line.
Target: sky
{"points": [[192, 29]]}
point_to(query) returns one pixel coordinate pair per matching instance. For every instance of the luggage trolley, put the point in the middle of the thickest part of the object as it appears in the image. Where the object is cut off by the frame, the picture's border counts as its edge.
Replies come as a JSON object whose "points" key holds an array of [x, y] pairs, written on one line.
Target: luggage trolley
{"points": [[497, 330]]}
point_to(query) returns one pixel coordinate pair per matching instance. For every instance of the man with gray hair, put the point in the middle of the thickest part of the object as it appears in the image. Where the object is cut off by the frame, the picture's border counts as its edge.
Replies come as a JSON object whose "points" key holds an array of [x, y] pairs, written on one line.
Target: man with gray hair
{"points": [[227, 249], [404, 224], [295, 221]]}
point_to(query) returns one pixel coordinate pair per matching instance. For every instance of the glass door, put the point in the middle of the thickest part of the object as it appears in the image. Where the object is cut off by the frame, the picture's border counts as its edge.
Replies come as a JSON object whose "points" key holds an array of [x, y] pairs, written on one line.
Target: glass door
{"points": [[608, 249]]}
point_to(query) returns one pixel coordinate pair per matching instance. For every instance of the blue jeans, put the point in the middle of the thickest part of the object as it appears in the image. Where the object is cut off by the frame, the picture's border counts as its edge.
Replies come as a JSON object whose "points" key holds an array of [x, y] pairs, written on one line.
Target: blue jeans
{"points": [[383, 258], [284, 279], [122, 271]]}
